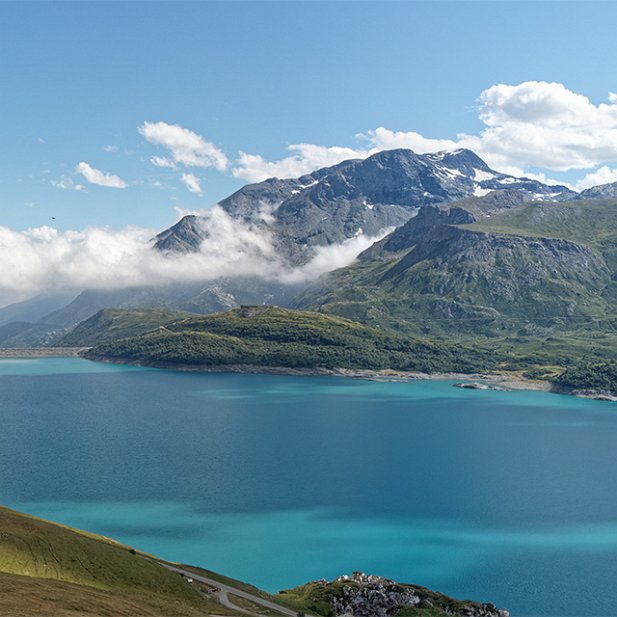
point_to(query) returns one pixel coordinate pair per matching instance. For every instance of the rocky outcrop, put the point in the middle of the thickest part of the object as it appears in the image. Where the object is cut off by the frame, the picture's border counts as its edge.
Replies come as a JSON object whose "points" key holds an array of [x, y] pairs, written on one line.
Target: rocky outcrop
{"points": [[362, 595], [415, 230]]}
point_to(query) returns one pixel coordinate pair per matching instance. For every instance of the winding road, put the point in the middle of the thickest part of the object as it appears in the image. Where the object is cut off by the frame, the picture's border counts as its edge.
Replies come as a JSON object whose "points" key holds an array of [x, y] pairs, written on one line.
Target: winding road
{"points": [[225, 590]]}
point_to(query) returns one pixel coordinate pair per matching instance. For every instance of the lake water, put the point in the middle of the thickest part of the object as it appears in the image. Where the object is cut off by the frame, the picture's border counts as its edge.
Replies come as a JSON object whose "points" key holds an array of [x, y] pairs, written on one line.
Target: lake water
{"points": [[508, 497]]}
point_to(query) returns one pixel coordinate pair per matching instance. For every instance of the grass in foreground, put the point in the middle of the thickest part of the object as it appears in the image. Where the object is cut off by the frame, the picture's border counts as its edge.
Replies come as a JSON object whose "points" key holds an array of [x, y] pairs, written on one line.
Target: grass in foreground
{"points": [[89, 569]]}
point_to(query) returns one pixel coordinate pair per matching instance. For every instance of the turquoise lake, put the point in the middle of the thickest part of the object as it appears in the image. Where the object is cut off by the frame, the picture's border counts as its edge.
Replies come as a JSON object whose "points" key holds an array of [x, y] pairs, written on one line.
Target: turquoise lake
{"points": [[509, 497]]}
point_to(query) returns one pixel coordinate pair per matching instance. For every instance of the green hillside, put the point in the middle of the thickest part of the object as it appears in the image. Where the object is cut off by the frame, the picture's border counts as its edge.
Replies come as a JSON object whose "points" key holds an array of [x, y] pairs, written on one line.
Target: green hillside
{"points": [[44, 565], [484, 267], [110, 324], [592, 222], [269, 336]]}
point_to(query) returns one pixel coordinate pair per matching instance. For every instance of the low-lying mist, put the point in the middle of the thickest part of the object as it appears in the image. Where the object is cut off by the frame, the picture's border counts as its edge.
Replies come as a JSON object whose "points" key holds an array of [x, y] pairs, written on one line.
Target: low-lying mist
{"points": [[43, 259]]}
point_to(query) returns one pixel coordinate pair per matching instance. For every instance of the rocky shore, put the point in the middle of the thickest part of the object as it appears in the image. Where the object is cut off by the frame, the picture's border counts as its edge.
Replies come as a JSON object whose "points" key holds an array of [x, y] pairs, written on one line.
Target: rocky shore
{"points": [[363, 595]]}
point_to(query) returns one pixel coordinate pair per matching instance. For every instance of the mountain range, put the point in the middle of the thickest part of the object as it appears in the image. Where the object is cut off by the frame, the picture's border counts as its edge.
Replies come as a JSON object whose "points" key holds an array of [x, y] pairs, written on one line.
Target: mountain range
{"points": [[465, 243], [366, 196]]}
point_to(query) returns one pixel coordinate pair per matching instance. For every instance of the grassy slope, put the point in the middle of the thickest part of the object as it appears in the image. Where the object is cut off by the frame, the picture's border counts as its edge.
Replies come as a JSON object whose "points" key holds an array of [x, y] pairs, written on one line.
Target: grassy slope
{"points": [[275, 337], [87, 572], [111, 324], [592, 222]]}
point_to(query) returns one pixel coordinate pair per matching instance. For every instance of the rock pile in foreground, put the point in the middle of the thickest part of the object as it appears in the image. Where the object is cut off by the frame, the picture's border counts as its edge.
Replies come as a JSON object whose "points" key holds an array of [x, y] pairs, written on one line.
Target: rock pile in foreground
{"points": [[362, 595]]}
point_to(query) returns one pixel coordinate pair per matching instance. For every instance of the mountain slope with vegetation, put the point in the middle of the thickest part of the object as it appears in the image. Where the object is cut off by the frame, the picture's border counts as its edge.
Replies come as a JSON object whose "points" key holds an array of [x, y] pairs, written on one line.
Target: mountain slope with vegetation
{"points": [[267, 336], [526, 268]]}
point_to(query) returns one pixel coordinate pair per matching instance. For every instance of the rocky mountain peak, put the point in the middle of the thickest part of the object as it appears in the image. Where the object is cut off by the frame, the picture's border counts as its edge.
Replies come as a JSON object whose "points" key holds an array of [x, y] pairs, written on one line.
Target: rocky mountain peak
{"points": [[359, 196]]}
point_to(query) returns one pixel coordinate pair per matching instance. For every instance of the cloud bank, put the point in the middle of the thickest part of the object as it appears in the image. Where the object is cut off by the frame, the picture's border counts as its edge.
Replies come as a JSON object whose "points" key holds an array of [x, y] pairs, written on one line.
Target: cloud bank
{"points": [[43, 259]]}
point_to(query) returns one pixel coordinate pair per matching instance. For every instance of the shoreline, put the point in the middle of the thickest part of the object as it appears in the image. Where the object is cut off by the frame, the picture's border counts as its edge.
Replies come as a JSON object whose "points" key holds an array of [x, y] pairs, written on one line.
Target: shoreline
{"points": [[495, 381], [473, 381], [42, 352]]}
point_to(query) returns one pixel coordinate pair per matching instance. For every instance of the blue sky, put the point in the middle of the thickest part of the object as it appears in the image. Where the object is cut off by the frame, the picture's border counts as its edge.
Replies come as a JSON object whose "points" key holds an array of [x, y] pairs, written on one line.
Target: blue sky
{"points": [[78, 79]]}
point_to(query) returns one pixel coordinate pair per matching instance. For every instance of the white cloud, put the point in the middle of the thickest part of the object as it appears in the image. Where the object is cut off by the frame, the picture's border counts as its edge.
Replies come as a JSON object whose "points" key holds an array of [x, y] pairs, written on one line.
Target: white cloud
{"points": [[95, 176], [385, 139], [534, 124], [541, 124], [110, 148], [43, 259], [161, 161], [305, 158], [333, 256], [68, 184], [192, 183], [186, 147], [603, 175]]}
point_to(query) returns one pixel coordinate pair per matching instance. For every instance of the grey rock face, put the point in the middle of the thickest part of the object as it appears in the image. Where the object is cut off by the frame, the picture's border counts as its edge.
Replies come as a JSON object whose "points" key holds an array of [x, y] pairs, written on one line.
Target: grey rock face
{"points": [[412, 232], [374, 596], [183, 237], [356, 196]]}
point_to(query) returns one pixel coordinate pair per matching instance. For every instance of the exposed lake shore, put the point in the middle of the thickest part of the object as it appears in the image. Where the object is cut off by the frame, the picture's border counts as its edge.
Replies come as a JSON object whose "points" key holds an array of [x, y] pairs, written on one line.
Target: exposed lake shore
{"points": [[476, 381], [490, 381], [504, 381], [43, 352]]}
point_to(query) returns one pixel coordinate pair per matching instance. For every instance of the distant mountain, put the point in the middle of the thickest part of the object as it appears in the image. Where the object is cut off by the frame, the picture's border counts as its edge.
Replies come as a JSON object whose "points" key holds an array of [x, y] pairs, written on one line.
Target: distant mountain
{"points": [[602, 191], [219, 295], [34, 309], [357, 196]]}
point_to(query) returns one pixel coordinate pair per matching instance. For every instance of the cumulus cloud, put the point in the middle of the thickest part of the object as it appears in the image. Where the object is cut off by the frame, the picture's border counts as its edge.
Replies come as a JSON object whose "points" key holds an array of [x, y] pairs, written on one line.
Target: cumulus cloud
{"points": [[603, 175], [541, 124], [304, 159], [43, 259], [534, 124], [100, 178], [385, 139], [185, 147], [192, 183]]}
